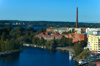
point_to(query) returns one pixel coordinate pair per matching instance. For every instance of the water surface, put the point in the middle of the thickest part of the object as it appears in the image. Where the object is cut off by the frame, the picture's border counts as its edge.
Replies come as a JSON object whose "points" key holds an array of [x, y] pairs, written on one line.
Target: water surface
{"points": [[37, 57]]}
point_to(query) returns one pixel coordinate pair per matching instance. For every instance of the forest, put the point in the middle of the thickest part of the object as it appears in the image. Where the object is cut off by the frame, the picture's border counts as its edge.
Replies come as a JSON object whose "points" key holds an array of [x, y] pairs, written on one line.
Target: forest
{"points": [[12, 39]]}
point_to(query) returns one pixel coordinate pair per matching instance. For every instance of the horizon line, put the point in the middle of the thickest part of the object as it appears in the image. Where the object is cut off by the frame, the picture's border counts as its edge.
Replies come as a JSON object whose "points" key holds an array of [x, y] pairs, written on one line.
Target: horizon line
{"points": [[49, 21]]}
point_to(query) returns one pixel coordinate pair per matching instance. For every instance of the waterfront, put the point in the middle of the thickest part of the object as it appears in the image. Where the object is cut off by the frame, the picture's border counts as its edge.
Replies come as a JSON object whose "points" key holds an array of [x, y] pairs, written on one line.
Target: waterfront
{"points": [[37, 57]]}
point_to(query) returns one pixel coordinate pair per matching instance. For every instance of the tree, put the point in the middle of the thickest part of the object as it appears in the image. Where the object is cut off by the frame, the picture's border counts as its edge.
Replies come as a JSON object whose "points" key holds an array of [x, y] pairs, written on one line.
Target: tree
{"points": [[67, 32], [42, 41], [53, 44], [3, 36], [73, 30], [84, 54], [69, 42], [17, 44], [12, 43], [29, 29], [2, 46], [63, 41], [7, 46], [77, 49], [74, 25], [83, 43], [36, 40]]}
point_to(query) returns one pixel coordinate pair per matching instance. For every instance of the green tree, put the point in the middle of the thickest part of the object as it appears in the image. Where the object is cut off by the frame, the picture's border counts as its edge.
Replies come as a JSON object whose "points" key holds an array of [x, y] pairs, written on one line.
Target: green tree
{"points": [[36, 41], [7, 46], [53, 44], [3, 36], [17, 44], [67, 32], [30, 29], [84, 54], [12, 43], [73, 30], [74, 25], [63, 41], [77, 49], [2, 46], [69, 41], [42, 41], [83, 43]]}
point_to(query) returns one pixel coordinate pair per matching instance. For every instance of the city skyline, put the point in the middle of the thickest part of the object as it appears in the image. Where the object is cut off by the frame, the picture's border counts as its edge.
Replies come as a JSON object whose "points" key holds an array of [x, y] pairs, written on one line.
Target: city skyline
{"points": [[50, 10]]}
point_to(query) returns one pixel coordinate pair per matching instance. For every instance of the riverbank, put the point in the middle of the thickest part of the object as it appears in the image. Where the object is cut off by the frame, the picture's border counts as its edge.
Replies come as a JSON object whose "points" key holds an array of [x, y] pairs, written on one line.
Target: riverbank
{"points": [[58, 48], [89, 61], [10, 52], [31, 45], [70, 49]]}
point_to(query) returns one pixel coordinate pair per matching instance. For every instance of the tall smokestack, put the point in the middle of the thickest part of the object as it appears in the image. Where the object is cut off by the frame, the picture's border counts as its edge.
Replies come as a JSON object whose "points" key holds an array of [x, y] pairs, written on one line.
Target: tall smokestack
{"points": [[76, 17]]}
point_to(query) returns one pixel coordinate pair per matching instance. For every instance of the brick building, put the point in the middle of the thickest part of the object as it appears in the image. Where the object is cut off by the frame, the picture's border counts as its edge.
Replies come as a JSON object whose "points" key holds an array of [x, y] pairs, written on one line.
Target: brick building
{"points": [[50, 36], [77, 37], [49, 29]]}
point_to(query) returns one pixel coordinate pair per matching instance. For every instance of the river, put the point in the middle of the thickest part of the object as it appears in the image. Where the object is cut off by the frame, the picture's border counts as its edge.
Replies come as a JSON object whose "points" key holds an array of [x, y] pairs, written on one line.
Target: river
{"points": [[37, 57]]}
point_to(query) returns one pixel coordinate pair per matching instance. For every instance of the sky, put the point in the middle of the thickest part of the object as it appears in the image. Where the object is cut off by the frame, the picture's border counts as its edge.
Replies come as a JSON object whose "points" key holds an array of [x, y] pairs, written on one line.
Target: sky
{"points": [[50, 10]]}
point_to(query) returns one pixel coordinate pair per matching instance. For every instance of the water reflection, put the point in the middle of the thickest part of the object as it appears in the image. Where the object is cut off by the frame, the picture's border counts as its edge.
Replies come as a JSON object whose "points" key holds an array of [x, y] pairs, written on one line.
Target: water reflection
{"points": [[37, 57], [10, 58], [52, 51]]}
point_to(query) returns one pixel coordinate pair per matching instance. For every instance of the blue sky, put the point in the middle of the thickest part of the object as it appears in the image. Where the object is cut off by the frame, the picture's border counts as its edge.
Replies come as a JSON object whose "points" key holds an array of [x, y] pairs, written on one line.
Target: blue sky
{"points": [[50, 10]]}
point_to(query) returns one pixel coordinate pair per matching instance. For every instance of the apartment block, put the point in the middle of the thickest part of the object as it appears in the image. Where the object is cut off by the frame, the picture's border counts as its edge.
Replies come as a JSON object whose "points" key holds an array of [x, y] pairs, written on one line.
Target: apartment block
{"points": [[94, 43]]}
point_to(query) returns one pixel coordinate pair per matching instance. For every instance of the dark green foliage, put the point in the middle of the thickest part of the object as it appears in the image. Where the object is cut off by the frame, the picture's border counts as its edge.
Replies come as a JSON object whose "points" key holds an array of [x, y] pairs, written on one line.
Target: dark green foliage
{"points": [[39, 42], [65, 42], [73, 25], [83, 43], [41, 30], [42, 41], [73, 30], [77, 49], [36, 40], [12, 39], [84, 54], [6, 29], [79, 46], [67, 32], [52, 43]]}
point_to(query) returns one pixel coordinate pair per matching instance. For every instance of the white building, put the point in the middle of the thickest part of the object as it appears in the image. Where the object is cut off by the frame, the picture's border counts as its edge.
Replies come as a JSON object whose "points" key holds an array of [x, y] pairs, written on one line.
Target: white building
{"points": [[93, 31], [61, 30]]}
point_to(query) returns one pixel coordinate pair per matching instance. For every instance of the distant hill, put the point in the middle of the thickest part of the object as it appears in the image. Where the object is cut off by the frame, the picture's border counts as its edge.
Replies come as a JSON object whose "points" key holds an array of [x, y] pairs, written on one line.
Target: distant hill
{"points": [[47, 23]]}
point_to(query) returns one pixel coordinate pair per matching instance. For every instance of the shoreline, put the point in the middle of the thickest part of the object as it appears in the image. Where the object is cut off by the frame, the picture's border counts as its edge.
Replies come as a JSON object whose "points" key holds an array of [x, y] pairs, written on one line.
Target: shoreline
{"points": [[9, 53], [69, 49]]}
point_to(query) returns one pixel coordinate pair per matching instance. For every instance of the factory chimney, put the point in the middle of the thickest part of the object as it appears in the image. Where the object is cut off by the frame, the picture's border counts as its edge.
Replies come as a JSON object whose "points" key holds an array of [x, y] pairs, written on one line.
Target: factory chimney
{"points": [[76, 17]]}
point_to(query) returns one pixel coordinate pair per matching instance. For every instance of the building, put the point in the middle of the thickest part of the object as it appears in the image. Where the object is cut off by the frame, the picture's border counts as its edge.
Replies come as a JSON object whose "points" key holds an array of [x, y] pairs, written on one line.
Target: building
{"points": [[94, 43], [77, 30], [49, 29], [50, 36], [77, 37], [61, 30], [93, 31]]}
